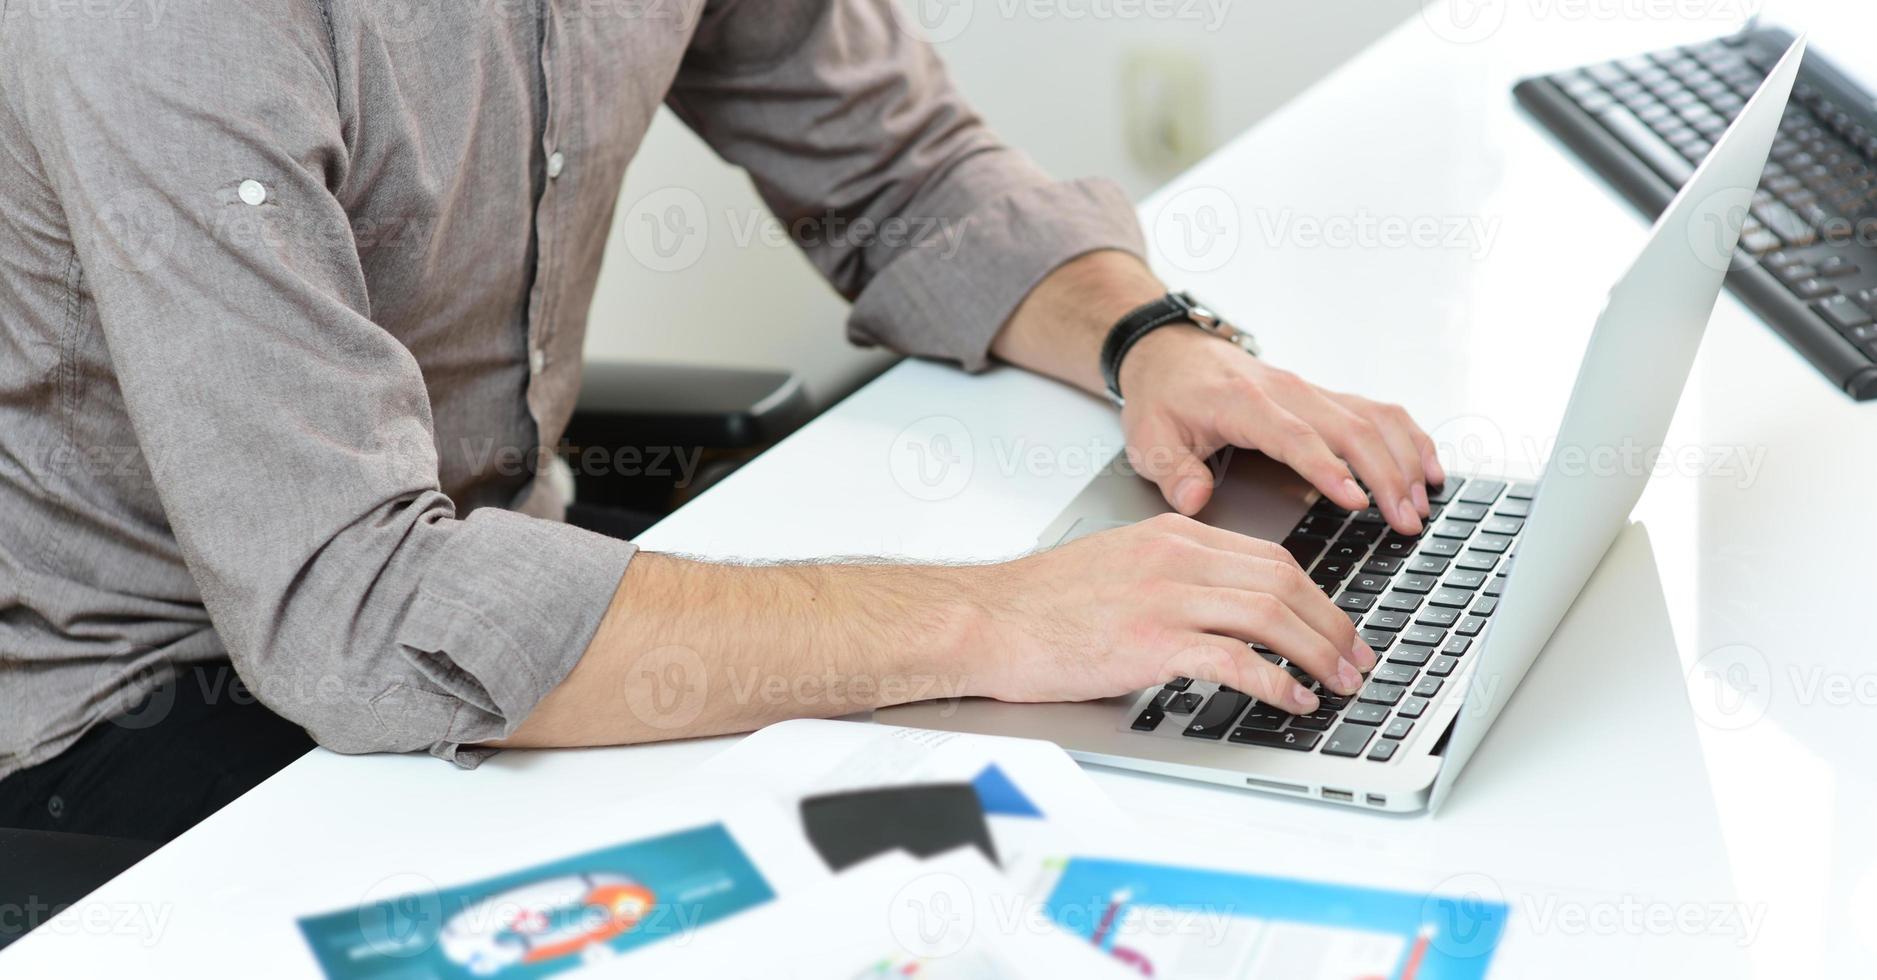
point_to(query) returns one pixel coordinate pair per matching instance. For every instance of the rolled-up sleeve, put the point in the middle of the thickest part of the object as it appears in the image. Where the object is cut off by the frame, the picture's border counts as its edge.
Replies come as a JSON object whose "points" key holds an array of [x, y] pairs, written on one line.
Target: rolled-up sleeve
{"points": [[898, 192], [289, 436]]}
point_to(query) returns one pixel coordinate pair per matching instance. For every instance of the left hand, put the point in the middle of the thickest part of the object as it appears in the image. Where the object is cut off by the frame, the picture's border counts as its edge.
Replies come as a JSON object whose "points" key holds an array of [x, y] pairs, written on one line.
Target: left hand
{"points": [[1190, 394]]}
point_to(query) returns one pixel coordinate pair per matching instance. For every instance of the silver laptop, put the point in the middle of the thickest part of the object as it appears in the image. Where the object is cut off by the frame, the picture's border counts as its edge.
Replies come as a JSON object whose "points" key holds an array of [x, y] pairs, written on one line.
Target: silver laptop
{"points": [[1455, 629]]}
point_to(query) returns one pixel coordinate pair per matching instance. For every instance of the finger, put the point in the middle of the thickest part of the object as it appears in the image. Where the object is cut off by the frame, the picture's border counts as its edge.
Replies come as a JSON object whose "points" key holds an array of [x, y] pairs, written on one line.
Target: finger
{"points": [[1232, 663], [1220, 539], [1177, 467], [1289, 583], [1430, 457], [1361, 442], [1268, 427], [1397, 431], [1262, 617]]}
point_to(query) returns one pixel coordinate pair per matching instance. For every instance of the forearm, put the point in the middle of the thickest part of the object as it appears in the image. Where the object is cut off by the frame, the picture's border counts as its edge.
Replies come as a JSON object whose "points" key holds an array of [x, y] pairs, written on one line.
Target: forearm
{"points": [[691, 648], [1059, 327]]}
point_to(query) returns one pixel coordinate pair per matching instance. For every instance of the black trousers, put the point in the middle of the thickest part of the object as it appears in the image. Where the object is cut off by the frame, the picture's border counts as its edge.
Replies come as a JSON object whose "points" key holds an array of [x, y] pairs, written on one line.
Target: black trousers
{"points": [[159, 770]]}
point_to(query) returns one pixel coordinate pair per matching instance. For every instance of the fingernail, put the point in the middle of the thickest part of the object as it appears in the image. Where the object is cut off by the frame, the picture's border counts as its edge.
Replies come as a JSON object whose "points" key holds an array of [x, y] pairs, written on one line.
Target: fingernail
{"points": [[1419, 493], [1303, 700], [1408, 515], [1347, 680], [1354, 490], [1362, 655], [1435, 475], [1187, 496]]}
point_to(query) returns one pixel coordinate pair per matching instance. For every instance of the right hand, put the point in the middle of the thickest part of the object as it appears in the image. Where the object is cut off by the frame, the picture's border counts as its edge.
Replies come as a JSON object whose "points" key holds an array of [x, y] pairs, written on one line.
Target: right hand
{"points": [[1169, 597]]}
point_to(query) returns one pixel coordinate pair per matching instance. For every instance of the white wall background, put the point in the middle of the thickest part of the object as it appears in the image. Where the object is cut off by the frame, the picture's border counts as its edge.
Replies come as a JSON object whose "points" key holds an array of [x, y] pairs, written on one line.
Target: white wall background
{"points": [[1130, 89]]}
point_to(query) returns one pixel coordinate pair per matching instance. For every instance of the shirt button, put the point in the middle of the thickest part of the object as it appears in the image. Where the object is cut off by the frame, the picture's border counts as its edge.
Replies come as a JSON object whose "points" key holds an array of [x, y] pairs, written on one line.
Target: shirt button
{"points": [[253, 192], [537, 359], [555, 164]]}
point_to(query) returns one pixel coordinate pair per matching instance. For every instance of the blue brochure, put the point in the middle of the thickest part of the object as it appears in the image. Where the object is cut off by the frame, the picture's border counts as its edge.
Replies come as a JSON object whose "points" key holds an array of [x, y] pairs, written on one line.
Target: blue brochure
{"points": [[1188, 923], [546, 919]]}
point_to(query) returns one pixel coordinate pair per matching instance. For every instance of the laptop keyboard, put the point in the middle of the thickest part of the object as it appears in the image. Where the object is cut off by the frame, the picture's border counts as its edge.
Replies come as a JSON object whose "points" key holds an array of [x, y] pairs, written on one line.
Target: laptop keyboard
{"points": [[1420, 601]]}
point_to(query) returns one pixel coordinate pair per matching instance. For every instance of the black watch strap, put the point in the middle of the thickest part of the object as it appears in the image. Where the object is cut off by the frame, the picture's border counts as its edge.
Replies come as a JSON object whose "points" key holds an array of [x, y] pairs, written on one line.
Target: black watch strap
{"points": [[1138, 323]]}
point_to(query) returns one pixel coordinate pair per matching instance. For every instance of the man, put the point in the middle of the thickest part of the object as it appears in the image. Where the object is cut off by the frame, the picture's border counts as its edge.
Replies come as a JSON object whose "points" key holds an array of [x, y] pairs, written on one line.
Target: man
{"points": [[279, 273]]}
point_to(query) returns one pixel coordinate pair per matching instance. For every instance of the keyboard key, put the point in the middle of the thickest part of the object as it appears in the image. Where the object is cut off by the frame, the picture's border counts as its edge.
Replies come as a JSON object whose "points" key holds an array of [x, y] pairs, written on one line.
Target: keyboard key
{"points": [[1458, 530], [1184, 704], [1424, 635], [1495, 587], [1502, 525], [1399, 728], [1485, 605], [1468, 580], [1394, 672], [1470, 626], [1428, 687], [1362, 533], [1446, 491], [1437, 616], [1842, 313], [1442, 666], [1161, 698], [1296, 741], [1412, 654], [1412, 708], [1417, 584], [1216, 717], [1367, 582], [1457, 646], [1460, 511], [1441, 547], [1522, 490], [1426, 565], [1368, 515], [1332, 702], [1395, 546], [1378, 640], [1317, 721], [1266, 717], [1383, 751], [1348, 741], [1455, 598], [1406, 602], [1513, 508], [1476, 562], [1305, 547], [1366, 714], [1491, 543], [1387, 619], [1482, 491], [1355, 601], [1179, 684], [1149, 719], [1382, 566], [1379, 692]]}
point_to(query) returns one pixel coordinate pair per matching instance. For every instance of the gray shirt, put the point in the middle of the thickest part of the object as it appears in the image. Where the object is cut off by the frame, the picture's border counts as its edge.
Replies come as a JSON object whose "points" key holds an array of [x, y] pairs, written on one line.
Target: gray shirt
{"points": [[287, 286]]}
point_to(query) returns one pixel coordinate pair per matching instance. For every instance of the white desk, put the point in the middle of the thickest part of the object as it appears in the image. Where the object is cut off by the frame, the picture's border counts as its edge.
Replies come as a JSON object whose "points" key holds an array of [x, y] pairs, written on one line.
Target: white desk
{"points": [[1638, 823]]}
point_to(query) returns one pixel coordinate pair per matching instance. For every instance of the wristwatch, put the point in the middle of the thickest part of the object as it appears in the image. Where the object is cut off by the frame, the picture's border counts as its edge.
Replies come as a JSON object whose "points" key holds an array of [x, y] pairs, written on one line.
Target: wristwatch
{"points": [[1179, 307]]}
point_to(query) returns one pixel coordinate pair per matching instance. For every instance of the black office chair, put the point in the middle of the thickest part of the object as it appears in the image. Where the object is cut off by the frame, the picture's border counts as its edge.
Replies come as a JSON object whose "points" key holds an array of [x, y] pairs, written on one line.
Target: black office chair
{"points": [[646, 438], [42, 872]]}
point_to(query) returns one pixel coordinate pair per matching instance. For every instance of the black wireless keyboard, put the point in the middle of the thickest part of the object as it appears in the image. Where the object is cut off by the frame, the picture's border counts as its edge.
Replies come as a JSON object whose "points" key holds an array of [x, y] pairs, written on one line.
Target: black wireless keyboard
{"points": [[1807, 261]]}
